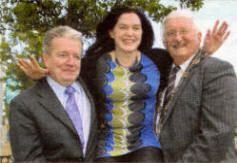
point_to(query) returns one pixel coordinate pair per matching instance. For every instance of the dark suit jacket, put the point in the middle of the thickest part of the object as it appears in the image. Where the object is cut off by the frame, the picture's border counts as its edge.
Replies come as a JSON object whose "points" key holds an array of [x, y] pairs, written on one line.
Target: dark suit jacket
{"points": [[40, 128], [201, 114]]}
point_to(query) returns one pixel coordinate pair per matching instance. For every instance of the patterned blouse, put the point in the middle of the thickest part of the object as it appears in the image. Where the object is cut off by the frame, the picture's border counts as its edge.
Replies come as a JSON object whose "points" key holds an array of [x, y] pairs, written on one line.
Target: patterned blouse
{"points": [[130, 96]]}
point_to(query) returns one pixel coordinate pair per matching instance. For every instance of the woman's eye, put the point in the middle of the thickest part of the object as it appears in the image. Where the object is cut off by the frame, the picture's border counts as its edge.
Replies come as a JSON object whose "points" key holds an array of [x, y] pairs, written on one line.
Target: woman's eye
{"points": [[122, 27], [136, 28]]}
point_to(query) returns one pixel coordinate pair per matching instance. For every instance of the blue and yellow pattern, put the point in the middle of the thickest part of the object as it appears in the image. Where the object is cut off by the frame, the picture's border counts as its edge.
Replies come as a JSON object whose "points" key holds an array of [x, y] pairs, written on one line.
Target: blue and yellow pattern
{"points": [[130, 102]]}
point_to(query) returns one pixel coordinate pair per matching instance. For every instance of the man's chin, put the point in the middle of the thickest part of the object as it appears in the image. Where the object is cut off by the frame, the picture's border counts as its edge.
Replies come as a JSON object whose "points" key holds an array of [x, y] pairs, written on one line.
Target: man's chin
{"points": [[69, 80], [179, 52]]}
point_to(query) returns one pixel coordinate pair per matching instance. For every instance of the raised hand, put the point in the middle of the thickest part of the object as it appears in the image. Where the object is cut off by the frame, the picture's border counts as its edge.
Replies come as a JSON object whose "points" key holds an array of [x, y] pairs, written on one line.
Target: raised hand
{"points": [[215, 38], [32, 69]]}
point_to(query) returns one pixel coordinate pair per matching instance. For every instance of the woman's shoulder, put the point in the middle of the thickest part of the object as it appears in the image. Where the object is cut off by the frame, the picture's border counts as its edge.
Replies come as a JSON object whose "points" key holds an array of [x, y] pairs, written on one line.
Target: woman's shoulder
{"points": [[159, 56]]}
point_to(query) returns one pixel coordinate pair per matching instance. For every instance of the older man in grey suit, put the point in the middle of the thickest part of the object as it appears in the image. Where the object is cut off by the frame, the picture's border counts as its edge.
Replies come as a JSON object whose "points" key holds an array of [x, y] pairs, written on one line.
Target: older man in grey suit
{"points": [[55, 119], [198, 106]]}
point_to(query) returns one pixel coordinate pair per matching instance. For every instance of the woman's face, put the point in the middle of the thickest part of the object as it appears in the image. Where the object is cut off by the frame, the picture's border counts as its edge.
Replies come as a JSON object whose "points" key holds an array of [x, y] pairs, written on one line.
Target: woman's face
{"points": [[127, 32]]}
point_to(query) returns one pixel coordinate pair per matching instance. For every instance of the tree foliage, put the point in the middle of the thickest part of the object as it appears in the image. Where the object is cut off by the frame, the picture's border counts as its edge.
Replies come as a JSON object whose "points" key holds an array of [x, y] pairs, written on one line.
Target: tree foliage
{"points": [[23, 23]]}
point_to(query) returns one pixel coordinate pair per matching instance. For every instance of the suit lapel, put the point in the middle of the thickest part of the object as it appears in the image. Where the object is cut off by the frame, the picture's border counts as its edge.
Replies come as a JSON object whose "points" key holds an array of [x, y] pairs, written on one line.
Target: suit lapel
{"points": [[178, 90], [93, 120], [50, 102]]}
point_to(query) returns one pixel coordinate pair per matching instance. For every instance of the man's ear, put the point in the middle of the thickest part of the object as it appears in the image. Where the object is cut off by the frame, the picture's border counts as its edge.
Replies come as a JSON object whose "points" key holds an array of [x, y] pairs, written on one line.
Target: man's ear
{"points": [[45, 59]]}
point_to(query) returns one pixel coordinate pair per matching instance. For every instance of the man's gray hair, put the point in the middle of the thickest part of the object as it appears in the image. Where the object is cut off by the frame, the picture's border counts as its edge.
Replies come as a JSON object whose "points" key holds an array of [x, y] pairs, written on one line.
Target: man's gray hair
{"points": [[59, 31], [177, 14]]}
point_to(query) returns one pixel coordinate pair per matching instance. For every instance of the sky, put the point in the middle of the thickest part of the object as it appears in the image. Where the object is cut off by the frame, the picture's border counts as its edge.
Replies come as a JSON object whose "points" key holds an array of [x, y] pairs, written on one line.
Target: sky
{"points": [[224, 10]]}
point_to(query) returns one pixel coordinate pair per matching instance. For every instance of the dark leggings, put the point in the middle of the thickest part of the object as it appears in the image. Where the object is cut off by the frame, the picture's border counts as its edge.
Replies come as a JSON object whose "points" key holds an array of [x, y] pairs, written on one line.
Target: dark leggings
{"points": [[146, 154]]}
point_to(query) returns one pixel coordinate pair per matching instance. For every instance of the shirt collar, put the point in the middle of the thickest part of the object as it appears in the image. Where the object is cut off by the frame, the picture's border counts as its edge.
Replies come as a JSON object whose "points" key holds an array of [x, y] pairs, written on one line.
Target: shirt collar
{"points": [[184, 65], [58, 87]]}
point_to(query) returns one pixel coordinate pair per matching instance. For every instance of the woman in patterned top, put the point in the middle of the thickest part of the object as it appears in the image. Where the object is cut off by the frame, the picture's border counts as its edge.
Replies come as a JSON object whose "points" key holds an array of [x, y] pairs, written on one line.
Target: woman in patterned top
{"points": [[125, 86]]}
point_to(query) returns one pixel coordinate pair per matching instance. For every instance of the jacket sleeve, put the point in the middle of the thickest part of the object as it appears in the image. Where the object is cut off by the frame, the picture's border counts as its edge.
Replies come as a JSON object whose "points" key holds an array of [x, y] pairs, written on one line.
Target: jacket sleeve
{"points": [[24, 135], [218, 114]]}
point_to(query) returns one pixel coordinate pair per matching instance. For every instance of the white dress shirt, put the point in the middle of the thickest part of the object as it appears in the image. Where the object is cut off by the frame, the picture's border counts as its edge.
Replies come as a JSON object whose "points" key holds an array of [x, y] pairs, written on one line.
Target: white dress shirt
{"points": [[183, 68]]}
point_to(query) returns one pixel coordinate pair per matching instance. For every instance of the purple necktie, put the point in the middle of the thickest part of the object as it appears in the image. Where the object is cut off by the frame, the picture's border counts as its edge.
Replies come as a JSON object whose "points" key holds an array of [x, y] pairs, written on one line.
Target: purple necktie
{"points": [[73, 112]]}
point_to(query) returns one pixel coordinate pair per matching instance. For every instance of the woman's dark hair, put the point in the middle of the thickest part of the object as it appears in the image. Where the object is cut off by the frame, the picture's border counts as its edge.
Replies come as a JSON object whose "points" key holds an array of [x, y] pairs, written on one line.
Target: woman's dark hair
{"points": [[104, 44]]}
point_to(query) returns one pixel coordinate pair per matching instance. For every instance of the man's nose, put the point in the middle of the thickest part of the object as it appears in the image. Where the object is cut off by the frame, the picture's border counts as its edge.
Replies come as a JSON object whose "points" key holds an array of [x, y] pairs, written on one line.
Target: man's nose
{"points": [[178, 36], [70, 60]]}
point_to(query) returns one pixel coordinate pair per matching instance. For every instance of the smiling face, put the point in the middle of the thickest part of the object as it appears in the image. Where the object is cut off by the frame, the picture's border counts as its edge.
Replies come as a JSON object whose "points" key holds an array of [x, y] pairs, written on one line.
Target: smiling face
{"points": [[63, 62], [127, 32], [181, 38]]}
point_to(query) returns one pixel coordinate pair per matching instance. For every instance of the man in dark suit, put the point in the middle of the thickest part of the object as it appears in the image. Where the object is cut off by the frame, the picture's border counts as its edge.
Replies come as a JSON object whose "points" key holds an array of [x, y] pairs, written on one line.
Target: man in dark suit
{"points": [[198, 105], [42, 125]]}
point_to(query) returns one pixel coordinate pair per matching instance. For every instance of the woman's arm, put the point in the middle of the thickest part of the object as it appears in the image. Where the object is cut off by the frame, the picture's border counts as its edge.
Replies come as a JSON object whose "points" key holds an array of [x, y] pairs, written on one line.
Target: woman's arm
{"points": [[212, 42], [32, 69]]}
